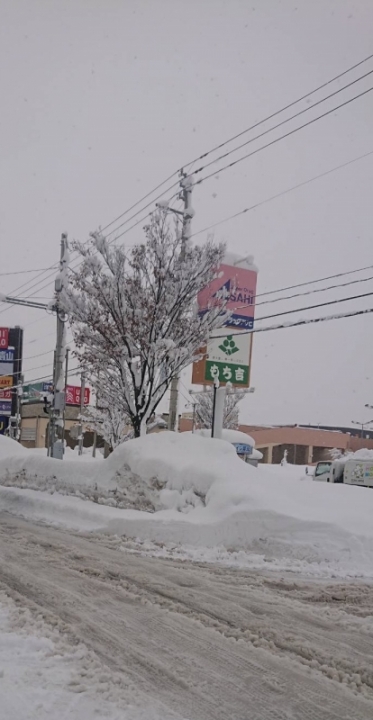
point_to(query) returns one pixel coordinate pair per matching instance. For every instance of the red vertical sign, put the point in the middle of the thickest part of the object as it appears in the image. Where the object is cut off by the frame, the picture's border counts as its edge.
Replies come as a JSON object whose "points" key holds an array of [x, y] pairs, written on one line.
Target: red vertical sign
{"points": [[73, 395], [4, 338]]}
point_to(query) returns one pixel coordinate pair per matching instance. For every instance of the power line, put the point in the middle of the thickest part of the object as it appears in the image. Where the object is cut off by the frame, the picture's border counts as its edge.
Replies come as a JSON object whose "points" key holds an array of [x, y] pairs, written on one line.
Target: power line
{"points": [[242, 212], [278, 112], [312, 282], [203, 155], [283, 122], [200, 157], [310, 321], [283, 192], [297, 322], [282, 137], [282, 326], [72, 372], [195, 172], [288, 297], [139, 201], [312, 307], [23, 272], [315, 290]]}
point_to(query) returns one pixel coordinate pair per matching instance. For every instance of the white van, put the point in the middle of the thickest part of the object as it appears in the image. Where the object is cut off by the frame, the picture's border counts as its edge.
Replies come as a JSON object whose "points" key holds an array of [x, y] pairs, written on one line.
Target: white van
{"points": [[329, 471], [350, 472], [358, 472]]}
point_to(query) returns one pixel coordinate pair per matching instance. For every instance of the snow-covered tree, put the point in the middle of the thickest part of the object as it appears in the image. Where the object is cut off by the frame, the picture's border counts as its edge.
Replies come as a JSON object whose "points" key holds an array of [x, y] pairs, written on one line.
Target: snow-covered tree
{"points": [[134, 314], [204, 405], [110, 423]]}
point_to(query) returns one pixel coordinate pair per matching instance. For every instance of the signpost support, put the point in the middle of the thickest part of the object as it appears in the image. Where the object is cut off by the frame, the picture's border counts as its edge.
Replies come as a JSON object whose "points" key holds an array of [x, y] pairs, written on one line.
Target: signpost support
{"points": [[218, 411], [82, 392]]}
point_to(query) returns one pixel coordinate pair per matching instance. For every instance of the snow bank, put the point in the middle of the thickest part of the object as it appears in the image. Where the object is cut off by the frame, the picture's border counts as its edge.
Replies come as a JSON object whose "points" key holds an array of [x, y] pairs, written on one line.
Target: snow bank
{"points": [[99, 482], [9, 448], [177, 461], [272, 511]]}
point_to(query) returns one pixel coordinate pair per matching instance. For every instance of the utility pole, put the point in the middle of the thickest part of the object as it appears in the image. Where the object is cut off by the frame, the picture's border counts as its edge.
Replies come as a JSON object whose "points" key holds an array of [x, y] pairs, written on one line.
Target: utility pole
{"points": [[82, 391], [187, 213], [55, 431], [57, 411]]}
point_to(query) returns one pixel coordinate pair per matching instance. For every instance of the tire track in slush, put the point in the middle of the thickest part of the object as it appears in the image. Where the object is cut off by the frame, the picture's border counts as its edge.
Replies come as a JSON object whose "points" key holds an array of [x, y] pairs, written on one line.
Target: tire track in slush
{"points": [[213, 643]]}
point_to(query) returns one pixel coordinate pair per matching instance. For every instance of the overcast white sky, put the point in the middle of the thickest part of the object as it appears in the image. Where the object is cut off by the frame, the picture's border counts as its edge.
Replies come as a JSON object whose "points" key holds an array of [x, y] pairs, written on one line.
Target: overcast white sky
{"points": [[103, 99]]}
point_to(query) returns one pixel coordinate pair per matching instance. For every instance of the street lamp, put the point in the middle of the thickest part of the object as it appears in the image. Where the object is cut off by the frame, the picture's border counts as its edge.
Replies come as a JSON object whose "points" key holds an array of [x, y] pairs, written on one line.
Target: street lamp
{"points": [[362, 425]]}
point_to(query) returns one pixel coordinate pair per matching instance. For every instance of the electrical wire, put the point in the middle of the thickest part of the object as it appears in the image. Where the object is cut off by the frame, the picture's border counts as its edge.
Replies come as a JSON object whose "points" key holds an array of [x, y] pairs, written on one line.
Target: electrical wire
{"points": [[283, 192], [312, 307], [72, 373], [312, 282], [278, 112], [139, 201], [203, 155], [283, 122], [217, 147], [203, 167], [23, 272], [282, 137], [282, 326], [315, 290], [311, 321], [287, 297]]}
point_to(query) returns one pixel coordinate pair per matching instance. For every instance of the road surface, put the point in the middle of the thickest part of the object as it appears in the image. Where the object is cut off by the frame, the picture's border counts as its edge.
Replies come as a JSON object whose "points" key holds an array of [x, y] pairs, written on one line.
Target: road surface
{"points": [[209, 643]]}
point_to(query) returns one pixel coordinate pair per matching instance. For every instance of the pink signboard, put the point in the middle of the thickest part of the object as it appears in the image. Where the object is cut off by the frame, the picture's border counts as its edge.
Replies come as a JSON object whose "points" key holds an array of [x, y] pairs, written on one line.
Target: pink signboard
{"points": [[73, 395], [238, 285]]}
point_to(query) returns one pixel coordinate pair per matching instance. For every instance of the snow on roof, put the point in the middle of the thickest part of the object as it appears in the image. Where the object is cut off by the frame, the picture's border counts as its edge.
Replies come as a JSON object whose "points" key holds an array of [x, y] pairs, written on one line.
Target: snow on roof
{"points": [[256, 455], [246, 261], [363, 454], [231, 436]]}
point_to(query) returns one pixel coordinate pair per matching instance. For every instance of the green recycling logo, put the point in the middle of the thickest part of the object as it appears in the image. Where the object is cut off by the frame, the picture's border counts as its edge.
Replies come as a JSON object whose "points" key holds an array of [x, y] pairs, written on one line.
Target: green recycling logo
{"points": [[228, 346]]}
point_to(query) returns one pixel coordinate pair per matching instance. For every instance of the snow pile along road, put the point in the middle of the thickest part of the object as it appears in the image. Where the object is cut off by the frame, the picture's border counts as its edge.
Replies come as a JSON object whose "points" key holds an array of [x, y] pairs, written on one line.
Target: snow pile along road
{"points": [[102, 482], [200, 495]]}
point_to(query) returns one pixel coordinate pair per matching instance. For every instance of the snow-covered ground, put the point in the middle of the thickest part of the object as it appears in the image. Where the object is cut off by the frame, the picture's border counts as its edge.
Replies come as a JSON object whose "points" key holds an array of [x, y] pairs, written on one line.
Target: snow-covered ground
{"points": [[191, 497], [44, 676], [174, 581]]}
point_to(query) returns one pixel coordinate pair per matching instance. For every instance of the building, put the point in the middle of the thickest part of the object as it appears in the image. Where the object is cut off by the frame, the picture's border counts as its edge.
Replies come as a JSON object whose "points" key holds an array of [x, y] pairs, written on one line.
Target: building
{"points": [[304, 445], [34, 426]]}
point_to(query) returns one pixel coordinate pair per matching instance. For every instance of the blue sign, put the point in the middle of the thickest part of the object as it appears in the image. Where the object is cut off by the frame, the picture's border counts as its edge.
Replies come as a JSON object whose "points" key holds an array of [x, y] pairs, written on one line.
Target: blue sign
{"points": [[5, 407], [4, 422], [235, 320], [48, 387], [243, 449], [7, 356]]}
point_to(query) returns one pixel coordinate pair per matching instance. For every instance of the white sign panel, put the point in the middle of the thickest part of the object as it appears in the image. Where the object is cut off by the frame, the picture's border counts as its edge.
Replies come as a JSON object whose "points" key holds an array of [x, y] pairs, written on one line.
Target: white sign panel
{"points": [[233, 348]]}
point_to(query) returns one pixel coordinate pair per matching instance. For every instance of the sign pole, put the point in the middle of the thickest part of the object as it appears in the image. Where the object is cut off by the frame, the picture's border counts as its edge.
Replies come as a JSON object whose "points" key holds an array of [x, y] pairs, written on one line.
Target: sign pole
{"points": [[216, 385], [82, 392]]}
